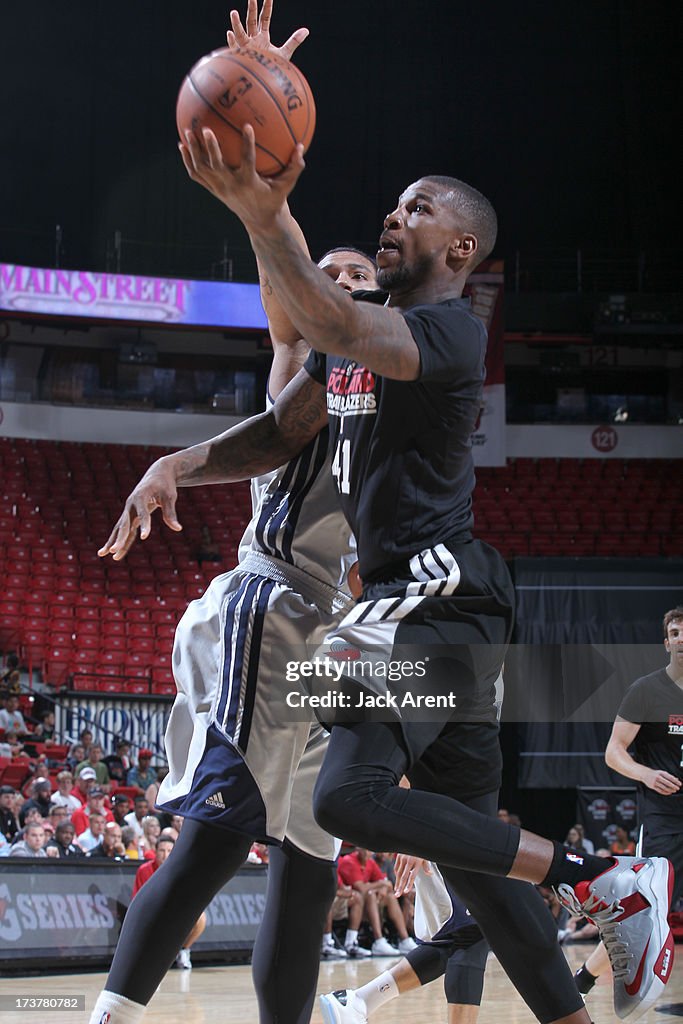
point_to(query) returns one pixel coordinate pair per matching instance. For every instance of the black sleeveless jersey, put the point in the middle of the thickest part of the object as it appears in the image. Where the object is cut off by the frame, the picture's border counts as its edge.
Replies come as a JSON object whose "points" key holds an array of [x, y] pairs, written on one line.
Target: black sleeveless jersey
{"points": [[401, 451]]}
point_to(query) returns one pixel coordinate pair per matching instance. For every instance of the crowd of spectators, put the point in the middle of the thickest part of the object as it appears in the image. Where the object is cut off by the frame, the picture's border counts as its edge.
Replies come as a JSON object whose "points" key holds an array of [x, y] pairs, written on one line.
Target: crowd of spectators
{"points": [[76, 800]]}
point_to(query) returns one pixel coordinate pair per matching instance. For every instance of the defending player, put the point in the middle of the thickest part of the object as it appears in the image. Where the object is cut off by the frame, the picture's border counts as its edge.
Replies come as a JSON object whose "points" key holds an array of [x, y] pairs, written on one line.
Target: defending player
{"points": [[236, 772]]}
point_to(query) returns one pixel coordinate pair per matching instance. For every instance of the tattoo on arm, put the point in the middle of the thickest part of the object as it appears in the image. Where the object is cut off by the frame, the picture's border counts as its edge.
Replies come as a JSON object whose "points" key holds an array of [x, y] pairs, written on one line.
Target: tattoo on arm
{"points": [[261, 443]]}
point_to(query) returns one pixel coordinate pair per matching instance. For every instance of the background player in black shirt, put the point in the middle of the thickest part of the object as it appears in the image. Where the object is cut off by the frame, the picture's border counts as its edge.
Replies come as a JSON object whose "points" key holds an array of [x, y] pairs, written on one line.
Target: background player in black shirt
{"points": [[650, 720]]}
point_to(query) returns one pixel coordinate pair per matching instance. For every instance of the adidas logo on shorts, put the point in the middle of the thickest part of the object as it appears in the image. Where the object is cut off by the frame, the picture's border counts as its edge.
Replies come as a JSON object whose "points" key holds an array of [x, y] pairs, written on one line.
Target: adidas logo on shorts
{"points": [[215, 801]]}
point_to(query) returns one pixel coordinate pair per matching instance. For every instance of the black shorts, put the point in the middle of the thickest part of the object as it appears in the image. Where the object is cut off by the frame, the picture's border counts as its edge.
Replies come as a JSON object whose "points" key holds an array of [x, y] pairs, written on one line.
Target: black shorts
{"points": [[434, 633]]}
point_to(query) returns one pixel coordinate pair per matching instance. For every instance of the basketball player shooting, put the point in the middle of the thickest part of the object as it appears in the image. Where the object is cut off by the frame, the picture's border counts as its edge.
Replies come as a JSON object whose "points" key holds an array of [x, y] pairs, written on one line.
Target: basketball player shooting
{"points": [[405, 477]]}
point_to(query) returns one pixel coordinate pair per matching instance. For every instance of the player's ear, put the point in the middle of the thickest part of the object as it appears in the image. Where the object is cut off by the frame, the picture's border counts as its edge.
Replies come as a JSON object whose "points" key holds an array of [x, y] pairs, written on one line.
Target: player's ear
{"points": [[462, 248]]}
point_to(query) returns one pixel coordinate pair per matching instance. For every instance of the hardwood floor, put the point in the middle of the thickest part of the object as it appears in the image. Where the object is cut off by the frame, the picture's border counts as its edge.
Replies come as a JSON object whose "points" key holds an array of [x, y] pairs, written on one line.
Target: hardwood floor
{"points": [[224, 995]]}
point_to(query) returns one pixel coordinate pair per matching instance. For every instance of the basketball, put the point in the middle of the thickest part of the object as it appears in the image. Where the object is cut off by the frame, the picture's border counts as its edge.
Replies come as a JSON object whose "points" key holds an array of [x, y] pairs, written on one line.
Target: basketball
{"points": [[230, 88]]}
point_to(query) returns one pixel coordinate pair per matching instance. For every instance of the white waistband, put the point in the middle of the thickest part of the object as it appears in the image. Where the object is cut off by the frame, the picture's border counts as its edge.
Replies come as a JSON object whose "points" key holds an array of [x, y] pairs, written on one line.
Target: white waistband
{"points": [[322, 594]]}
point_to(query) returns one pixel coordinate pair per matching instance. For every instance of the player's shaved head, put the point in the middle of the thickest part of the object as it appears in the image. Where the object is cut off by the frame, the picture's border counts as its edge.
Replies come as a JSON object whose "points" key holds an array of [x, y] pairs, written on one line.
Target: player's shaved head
{"points": [[474, 211]]}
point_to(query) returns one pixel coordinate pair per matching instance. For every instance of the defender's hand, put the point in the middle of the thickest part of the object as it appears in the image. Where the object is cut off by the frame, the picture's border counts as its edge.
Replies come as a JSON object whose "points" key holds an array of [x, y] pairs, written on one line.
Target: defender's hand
{"points": [[157, 489], [257, 32]]}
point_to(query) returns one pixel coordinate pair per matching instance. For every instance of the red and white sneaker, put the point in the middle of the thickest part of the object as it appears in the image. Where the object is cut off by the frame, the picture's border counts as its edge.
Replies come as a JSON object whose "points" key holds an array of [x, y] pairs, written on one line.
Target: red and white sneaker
{"points": [[629, 904]]}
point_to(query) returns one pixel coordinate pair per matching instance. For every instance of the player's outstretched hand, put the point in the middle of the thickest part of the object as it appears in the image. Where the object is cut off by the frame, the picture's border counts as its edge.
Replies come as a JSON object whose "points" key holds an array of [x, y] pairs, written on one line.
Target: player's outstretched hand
{"points": [[661, 782], [157, 489], [406, 870], [257, 31], [257, 201]]}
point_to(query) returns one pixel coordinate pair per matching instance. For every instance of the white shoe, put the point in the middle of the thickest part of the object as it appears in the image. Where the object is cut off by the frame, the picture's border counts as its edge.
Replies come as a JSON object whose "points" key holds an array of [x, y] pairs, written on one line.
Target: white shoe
{"points": [[183, 960], [329, 951], [343, 1007], [629, 903], [356, 952], [381, 947], [406, 945]]}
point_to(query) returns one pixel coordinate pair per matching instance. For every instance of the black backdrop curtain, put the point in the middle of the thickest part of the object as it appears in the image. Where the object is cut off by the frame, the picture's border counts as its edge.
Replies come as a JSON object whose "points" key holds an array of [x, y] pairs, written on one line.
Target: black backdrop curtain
{"points": [[585, 630]]}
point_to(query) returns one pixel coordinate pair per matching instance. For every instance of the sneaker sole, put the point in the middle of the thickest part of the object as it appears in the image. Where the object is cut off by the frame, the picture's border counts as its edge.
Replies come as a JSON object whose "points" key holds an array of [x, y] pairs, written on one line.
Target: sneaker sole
{"points": [[328, 1008], [657, 888]]}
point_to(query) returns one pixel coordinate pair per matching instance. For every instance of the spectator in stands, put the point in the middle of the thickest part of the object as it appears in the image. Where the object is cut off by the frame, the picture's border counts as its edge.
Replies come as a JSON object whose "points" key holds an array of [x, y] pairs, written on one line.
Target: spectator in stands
{"points": [[177, 822], [143, 775], [130, 842], [76, 755], [5, 846], [55, 816], [18, 801], [504, 814], [9, 826], [152, 791], [173, 833], [118, 763], [120, 806], [573, 839], [348, 903], [44, 732], [84, 783], [623, 845], [63, 841], [151, 830], [111, 843], [10, 677], [144, 873], [41, 791], [385, 862], [134, 819], [91, 836], [360, 871], [11, 746], [32, 843], [12, 719], [63, 796], [95, 804], [85, 739], [586, 843], [94, 761]]}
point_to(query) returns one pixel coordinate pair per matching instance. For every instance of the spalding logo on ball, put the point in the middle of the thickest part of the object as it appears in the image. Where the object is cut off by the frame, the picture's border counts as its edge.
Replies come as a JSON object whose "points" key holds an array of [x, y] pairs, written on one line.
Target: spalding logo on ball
{"points": [[230, 88]]}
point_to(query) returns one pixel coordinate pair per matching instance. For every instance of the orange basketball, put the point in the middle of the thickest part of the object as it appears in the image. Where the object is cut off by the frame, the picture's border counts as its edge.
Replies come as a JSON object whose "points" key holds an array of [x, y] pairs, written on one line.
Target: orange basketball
{"points": [[230, 88]]}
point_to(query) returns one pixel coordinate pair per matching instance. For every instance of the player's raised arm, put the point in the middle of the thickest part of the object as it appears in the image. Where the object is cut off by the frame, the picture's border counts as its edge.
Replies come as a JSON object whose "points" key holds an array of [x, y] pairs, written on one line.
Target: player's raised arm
{"points": [[327, 318], [256, 446]]}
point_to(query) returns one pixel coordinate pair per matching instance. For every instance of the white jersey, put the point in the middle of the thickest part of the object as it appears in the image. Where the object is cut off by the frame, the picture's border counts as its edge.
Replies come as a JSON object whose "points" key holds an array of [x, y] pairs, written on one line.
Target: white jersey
{"points": [[235, 759], [297, 518]]}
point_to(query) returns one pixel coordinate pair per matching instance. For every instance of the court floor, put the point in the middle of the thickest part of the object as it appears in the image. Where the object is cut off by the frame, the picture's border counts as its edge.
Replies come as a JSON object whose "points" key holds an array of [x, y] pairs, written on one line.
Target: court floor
{"points": [[224, 995]]}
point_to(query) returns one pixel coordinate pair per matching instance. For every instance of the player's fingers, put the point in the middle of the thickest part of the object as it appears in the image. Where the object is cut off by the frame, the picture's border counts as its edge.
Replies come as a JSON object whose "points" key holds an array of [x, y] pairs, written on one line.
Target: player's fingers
{"points": [[292, 172], [232, 42], [169, 514], [213, 150], [248, 162], [187, 160], [294, 41], [252, 18], [241, 36], [266, 14]]}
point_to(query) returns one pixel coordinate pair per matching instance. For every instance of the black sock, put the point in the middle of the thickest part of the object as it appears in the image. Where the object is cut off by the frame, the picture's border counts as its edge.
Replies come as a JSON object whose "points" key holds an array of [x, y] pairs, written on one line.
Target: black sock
{"points": [[584, 980], [572, 867]]}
